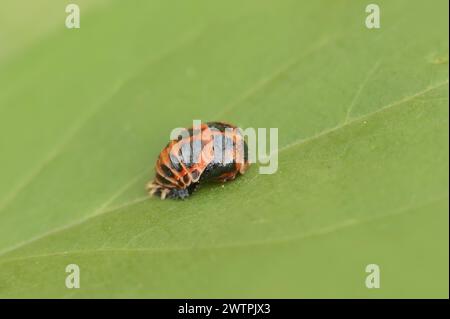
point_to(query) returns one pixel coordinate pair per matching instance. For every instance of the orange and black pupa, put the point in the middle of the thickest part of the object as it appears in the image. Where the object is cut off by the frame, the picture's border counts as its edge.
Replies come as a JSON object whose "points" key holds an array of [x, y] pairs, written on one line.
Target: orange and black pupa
{"points": [[213, 151]]}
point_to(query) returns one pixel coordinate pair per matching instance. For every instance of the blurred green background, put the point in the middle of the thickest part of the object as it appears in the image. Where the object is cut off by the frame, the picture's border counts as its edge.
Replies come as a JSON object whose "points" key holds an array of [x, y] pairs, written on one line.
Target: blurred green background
{"points": [[363, 130]]}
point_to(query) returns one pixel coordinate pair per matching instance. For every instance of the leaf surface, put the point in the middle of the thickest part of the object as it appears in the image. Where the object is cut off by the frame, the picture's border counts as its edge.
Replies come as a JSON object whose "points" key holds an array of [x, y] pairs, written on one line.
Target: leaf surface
{"points": [[363, 164]]}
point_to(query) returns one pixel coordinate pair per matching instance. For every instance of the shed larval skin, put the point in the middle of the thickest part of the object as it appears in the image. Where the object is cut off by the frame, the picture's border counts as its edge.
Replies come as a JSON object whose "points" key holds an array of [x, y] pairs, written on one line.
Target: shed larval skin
{"points": [[179, 170]]}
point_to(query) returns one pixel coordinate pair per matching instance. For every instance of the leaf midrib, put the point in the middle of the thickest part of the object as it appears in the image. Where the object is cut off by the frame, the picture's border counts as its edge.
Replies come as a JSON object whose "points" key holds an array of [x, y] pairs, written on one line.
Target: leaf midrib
{"points": [[297, 143], [324, 231], [55, 151]]}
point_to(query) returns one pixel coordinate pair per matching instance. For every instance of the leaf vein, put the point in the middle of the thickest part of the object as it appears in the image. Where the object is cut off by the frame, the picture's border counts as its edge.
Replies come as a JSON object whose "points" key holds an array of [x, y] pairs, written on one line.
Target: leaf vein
{"points": [[289, 146], [315, 233]]}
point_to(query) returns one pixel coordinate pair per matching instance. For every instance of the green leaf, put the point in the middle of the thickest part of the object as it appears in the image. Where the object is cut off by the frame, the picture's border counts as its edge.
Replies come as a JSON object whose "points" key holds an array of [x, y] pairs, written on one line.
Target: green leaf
{"points": [[363, 164]]}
